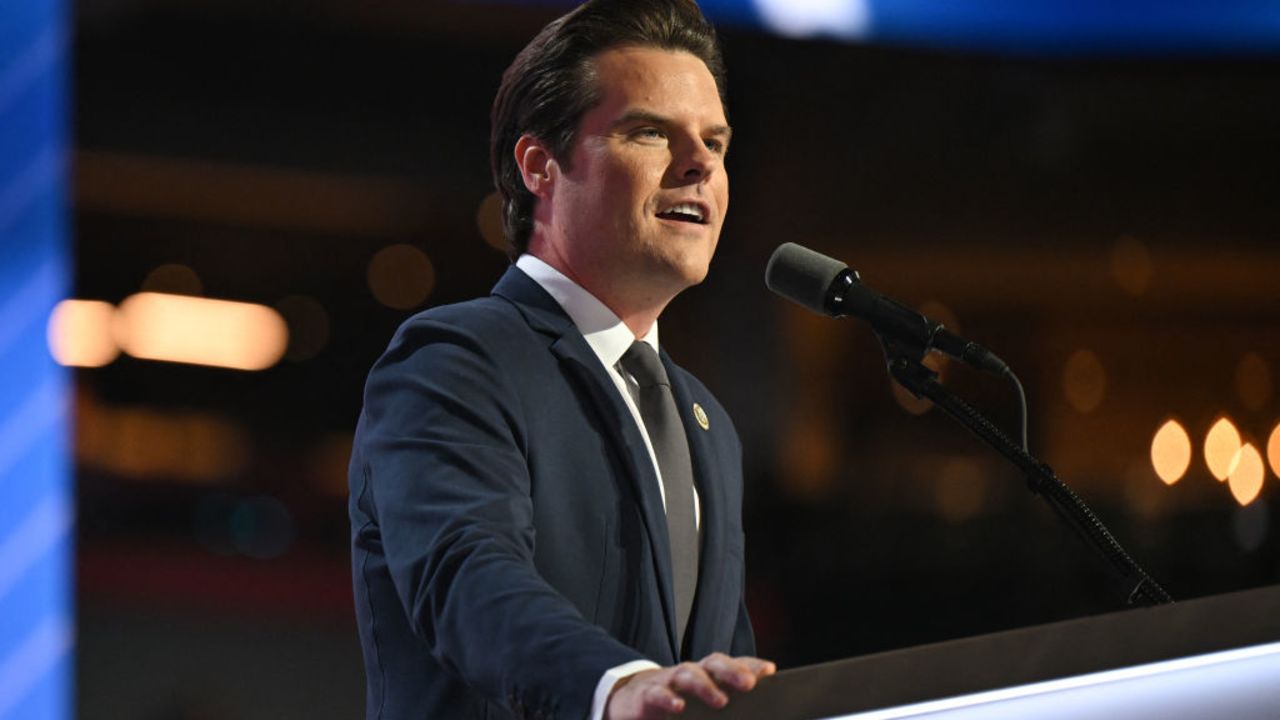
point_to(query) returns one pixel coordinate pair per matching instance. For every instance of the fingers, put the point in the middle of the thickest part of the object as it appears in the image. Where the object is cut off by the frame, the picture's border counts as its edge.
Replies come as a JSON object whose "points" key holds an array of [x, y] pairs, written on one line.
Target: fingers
{"points": [[660, 693], [660, 698], [692, 679], [645, 695], [759, 667], [738, 673]]}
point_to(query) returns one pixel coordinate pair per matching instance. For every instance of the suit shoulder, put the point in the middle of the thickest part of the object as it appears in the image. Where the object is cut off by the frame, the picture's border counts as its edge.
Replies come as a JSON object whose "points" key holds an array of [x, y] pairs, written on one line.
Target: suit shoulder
{"points": [[451, 361], [486, 316], [485, 337], [491, 324]]}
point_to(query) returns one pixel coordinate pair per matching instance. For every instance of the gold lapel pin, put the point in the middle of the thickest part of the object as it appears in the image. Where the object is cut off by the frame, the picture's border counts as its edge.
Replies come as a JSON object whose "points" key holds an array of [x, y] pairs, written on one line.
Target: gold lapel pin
{"points": [[701, 416]]}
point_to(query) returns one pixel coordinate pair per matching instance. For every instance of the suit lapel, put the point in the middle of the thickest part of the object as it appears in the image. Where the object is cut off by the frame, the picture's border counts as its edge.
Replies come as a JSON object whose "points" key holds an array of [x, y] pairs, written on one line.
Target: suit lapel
{"points": [[580, 362], [706, 607]]}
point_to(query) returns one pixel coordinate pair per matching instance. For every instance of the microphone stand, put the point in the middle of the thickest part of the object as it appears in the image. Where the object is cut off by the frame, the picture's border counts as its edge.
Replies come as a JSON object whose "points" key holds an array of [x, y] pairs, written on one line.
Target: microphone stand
{"points": [[906, 368]]}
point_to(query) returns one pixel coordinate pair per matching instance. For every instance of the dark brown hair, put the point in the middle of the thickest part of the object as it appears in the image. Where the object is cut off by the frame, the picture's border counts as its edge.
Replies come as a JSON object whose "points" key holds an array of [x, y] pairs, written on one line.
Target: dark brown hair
{"points": [[551, 84]]}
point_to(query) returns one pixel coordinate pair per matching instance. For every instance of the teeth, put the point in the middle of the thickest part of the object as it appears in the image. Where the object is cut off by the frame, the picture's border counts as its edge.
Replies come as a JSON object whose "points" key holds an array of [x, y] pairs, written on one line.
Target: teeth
{"points": [[686, 209]]}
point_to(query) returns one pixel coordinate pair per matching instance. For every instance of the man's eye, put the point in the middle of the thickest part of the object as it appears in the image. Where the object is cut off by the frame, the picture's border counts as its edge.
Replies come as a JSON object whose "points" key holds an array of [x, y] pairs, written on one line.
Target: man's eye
{"points": [[649, 133], [715, 146]]}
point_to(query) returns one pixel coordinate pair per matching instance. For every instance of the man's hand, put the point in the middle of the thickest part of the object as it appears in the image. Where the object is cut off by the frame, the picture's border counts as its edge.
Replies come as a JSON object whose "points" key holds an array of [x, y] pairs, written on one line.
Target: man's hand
{"points": [[656, 694]]}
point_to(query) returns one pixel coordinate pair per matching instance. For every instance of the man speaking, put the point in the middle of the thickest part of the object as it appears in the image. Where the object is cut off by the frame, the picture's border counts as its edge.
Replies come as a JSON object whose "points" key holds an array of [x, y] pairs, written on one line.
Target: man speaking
{"points": [[546, 510]]}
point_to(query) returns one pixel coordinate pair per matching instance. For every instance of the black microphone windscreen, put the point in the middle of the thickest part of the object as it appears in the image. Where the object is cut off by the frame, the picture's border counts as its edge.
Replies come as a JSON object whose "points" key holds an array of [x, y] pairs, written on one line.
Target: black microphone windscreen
{"points": [[802, 275]]}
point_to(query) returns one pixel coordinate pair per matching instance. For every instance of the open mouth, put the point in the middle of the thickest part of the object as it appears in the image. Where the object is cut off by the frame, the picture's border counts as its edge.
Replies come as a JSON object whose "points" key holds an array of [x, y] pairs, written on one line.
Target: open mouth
{"points": [[685, 212]]}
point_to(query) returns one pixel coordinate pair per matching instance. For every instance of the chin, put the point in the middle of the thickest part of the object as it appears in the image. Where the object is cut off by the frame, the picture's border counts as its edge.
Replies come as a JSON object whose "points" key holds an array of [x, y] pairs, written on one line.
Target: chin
{"points": [[692, 272], [674, 275], [684, 266]]}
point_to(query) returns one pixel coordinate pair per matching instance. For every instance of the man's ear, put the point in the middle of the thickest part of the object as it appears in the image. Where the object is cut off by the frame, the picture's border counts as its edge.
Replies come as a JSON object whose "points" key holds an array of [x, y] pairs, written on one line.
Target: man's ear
{"points": [[537, 167]]}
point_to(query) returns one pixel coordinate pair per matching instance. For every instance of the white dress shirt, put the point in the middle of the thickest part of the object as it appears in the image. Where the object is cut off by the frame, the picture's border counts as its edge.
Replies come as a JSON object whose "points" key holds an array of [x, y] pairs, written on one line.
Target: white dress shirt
{"points": [[609, 339]]}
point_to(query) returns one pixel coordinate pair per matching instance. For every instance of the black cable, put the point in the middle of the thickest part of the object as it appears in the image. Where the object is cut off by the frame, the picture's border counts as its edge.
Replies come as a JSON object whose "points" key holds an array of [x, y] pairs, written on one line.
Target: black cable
{"points": [[1022, 407]]}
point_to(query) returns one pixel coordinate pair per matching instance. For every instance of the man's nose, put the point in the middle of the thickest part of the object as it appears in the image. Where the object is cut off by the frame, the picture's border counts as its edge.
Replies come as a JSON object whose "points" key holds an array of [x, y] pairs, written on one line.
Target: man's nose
{"points": [[697, 162]]}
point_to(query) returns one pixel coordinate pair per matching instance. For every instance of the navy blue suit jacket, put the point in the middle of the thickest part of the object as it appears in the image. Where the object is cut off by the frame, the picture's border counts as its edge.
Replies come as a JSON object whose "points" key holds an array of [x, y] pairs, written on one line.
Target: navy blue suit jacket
{"points": [[509, 542]]}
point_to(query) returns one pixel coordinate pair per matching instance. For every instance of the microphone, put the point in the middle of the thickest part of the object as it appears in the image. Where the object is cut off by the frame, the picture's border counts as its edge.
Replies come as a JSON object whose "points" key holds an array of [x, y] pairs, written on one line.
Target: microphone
{"points": [[829, 287]]}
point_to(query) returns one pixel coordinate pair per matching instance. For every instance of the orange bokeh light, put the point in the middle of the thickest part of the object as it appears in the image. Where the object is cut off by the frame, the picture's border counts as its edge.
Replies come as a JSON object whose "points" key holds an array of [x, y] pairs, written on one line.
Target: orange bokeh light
{"points": [[1221, 448], [1084, 381], [1246, 476], [79, 333], [201, 331], [1171, 452], [401, 276]]}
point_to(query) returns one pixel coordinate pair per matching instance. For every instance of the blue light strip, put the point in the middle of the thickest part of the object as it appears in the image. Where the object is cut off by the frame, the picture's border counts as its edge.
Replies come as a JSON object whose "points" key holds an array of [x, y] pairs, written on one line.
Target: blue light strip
{"points": [[1081, 27], [36, 500], [1022, 27]]}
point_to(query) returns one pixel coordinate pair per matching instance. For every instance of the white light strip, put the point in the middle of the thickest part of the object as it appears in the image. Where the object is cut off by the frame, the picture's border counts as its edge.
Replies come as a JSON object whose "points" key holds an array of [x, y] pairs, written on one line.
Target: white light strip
{"points": [[39, 413], [33, 62], [1079, 681], [34, 659], [31, 183], [23, 307], [31, 540]]}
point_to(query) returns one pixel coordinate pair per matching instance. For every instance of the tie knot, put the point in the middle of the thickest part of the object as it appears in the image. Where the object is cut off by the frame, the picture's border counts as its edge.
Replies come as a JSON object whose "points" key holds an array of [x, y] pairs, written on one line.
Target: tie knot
{"points": [[642, 361]]}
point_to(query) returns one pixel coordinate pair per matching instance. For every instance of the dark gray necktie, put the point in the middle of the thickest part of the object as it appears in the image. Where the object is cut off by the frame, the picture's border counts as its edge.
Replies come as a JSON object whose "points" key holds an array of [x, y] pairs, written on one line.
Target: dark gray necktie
{"points": [[666, 432]]}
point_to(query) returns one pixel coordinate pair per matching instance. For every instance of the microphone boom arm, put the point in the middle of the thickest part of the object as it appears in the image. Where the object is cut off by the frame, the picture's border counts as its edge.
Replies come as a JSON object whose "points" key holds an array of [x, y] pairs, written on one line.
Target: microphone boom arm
{"points": [[829, 287], [1041, 480]]}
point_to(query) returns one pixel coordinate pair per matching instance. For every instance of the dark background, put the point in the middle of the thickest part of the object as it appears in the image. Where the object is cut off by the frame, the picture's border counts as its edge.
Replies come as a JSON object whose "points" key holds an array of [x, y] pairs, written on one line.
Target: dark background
{"points": [[1116, 210]]}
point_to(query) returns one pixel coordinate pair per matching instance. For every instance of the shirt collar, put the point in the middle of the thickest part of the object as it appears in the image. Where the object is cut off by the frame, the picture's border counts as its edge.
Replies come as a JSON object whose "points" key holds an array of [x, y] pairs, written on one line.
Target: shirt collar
{"points": [[607, 335]]}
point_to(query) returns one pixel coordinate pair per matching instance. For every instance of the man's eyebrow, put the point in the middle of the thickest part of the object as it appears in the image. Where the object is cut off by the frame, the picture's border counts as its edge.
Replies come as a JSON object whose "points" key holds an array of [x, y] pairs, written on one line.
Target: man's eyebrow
{"points": [[645, 116]]}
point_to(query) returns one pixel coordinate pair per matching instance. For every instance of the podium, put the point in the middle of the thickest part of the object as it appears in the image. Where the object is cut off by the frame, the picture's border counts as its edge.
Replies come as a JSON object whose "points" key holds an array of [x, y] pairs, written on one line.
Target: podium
{"points": [[1215, 657]]}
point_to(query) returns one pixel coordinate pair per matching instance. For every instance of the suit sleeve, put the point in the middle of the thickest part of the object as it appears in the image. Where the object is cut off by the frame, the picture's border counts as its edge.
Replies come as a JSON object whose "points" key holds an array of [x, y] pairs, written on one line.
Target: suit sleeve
{"points": [[744, 638], [444, 455]]}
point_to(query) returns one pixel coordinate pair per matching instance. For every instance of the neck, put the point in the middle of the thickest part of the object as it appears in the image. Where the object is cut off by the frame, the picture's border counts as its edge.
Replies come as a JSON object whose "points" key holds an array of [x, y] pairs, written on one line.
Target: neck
{"points": [[638, 309]]}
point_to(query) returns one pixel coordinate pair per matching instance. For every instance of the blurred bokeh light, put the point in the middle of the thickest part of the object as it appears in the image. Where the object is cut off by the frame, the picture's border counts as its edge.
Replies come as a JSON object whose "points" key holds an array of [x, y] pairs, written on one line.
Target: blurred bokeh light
{"points": [[961, 490], [80, 333], [1084, 381], [200, 331], [1247, 475], [151, 445], [1131, 265], [261, 528], [1171, 452], [174, 279], [810, 18], [1222, 448], [401, 276], [1253, 381]]}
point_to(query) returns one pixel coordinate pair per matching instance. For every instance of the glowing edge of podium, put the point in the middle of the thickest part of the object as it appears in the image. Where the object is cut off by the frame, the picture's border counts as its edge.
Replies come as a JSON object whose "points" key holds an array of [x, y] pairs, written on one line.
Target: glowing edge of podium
{"points": [[1153, 687], [1161, 663]]}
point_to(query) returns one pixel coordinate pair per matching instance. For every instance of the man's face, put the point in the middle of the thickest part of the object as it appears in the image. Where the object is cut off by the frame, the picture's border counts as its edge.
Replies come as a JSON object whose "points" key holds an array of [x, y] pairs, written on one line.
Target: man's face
{"points": [[641, 206]]}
